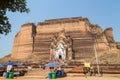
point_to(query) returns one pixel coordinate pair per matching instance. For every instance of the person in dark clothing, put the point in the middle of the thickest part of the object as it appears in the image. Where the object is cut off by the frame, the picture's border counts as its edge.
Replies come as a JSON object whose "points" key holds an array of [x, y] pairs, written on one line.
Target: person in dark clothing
{"points": [[101, 72], [95, 71], [91, 71], [85, 71]]}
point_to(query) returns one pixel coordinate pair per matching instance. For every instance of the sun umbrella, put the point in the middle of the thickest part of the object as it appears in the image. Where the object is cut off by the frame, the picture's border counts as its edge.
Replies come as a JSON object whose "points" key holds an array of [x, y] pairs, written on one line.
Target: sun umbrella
{"points": [[11, 63], [52, 64]]}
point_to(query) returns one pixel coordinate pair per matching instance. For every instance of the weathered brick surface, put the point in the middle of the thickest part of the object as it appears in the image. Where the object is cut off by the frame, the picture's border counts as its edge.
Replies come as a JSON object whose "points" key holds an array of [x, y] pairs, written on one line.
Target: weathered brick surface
{"points": [[35, 41], [22, 47]]}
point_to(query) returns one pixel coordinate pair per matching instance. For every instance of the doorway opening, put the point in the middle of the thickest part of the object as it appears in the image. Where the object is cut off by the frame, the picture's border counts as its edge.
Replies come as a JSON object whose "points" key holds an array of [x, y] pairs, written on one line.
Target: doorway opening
{"points": [[60, 57]]}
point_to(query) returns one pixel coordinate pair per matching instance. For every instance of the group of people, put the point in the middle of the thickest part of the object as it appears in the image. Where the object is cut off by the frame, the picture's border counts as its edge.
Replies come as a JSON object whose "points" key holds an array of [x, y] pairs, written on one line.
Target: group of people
{"points": [[93, 71], [59, 72]]}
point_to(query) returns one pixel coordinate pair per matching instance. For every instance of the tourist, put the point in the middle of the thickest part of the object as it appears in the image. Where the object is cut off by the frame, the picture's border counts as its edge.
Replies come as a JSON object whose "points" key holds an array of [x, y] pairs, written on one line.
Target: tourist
{"points": [[101, 72], [52, 69], [85, 71], [95, 71], [91, 70], [9, 68]]}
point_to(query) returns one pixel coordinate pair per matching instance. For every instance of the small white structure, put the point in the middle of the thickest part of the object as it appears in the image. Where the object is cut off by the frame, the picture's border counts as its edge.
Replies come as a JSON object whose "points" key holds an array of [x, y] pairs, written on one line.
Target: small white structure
{"points": [[60, 52]]}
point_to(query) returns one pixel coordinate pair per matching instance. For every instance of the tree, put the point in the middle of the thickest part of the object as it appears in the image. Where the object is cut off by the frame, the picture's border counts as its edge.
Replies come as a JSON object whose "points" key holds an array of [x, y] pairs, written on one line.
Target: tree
{"points": [[11, 6]]}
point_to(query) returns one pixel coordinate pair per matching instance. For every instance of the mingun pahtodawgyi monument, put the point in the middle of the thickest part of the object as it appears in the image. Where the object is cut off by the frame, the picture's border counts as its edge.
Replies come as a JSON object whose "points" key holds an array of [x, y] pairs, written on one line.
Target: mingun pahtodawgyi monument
{"points": [[65, 38]]}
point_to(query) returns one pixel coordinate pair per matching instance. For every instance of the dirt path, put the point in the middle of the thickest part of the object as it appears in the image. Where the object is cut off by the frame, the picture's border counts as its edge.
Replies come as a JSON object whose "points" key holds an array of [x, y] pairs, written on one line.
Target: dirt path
{"points": [[65, 78]]}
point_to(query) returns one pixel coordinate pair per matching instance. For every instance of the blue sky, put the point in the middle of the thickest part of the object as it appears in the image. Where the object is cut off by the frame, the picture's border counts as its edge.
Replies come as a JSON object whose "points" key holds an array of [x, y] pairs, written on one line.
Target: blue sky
{"points": [[105, 13]]}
